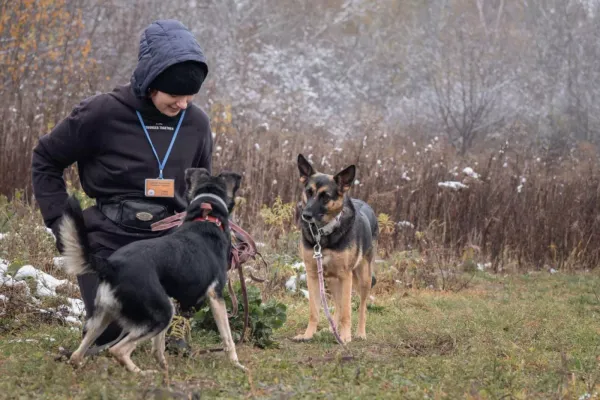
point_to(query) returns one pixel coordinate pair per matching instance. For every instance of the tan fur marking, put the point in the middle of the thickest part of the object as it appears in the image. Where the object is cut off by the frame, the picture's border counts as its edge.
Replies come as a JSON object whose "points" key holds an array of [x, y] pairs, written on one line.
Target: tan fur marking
{"points": [[211, 290]]}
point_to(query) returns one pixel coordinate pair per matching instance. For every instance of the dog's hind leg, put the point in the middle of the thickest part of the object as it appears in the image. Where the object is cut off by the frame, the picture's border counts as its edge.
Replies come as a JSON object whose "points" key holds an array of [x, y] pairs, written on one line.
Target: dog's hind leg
{"points": [[217, 305], [95, 326], [122, 350], [158, 348], [158, 342]]}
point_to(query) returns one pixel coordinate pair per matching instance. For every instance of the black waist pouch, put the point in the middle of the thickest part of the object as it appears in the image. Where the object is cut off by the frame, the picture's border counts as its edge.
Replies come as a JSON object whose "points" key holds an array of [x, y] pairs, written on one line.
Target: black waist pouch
{"points": [[134, 214]]}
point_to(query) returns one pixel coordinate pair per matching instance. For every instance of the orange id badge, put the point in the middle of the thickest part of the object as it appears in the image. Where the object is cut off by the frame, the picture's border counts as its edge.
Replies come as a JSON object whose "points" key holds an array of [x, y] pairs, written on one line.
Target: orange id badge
{"points": [[160, 188]]}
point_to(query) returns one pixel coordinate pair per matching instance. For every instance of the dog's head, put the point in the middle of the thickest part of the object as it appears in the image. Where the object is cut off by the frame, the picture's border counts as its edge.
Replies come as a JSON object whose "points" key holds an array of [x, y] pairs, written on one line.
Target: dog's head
{"points": [[225, 185], [323, 195]]}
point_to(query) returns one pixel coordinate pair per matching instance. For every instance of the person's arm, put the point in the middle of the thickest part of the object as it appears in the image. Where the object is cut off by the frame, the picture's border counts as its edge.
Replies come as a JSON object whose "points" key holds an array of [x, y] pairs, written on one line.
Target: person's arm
{"points": [[204, 158], [70, 141]]}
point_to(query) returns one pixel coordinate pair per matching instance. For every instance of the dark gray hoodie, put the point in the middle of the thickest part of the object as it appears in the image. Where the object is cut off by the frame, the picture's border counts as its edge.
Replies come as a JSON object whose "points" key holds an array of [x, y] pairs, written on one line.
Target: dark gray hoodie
{"points": [[104, 137]]}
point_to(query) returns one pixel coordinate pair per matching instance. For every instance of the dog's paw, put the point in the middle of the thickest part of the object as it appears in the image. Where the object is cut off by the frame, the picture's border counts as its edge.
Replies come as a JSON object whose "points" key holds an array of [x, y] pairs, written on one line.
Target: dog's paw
{"points": [[76, 360], [361, 336], [346, 338], [302, 338], [240, 366], [163, 365], [147, 372]]}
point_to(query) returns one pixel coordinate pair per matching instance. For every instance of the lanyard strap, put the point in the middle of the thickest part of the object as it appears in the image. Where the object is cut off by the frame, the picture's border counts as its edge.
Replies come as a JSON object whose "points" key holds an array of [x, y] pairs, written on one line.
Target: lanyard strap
{"points": [[161, 166]]}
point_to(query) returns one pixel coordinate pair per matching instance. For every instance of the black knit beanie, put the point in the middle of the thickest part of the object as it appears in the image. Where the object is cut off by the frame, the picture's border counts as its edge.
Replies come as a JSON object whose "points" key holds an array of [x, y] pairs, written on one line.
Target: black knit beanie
{"points": [[182, 79]]}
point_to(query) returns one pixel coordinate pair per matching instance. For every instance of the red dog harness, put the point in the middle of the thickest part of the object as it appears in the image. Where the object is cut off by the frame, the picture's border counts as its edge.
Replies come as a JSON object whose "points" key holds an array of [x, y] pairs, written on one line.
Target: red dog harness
{"points": [[207, 217]]}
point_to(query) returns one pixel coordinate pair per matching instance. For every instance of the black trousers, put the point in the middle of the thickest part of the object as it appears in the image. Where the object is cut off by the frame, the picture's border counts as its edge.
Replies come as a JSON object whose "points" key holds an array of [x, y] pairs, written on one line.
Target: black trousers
{"points": [[88, 286]]}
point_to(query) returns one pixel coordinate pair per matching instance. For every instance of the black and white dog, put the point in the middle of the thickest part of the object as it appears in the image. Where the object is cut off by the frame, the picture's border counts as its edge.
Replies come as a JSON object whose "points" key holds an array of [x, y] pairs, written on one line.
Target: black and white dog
{"points": [[138, 280]]}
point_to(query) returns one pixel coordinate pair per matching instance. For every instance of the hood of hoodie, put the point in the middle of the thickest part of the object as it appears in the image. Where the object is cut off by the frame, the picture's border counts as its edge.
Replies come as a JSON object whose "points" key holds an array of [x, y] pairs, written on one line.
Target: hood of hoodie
{"points": [[162, 44]]}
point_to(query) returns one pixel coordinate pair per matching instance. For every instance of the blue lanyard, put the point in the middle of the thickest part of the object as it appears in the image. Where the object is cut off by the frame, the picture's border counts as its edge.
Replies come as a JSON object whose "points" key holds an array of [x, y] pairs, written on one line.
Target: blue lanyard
{"points": [[161, 166]]}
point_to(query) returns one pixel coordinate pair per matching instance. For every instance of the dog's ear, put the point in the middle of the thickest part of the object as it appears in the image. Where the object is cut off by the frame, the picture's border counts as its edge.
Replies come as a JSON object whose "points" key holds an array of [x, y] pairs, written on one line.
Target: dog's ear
{"points": [[232, 183], [306, 170], [192, 175], [345, 178]]}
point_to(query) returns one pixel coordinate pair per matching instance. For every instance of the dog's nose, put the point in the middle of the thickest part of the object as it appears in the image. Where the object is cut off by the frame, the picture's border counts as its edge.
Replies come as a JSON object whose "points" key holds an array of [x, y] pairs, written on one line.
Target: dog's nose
{"points": [[307, 215]]}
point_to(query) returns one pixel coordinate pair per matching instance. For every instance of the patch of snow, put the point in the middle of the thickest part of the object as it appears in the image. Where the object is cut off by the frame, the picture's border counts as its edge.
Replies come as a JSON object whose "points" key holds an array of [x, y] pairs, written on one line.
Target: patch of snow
{"points": [[290, 284], [304, 292], [23, 341], [298, 266], [8, 281], [453, 185], [77, 308], [3, 235], [58, 262], [73, 320], [483, 267], [469, 171], [405, 224], [3, 267], [3, 298], [46, 283], [553, 271]]}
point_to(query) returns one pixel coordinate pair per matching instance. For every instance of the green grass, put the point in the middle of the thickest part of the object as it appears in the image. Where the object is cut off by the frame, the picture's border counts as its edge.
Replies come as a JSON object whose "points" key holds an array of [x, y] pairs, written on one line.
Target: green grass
{"points": [[532, 336]]}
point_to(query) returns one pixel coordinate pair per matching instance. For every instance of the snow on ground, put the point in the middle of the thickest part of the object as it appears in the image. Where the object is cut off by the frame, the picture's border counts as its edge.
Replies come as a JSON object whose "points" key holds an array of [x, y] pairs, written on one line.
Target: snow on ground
{"points": [[46, 285], [405, 224], [469, 172], [453, 185]]}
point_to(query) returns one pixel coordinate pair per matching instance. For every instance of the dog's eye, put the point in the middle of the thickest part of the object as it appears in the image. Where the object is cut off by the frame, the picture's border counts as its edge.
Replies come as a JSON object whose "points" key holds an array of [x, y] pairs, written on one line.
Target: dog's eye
{"points": [[309, 192], [325, 197]]}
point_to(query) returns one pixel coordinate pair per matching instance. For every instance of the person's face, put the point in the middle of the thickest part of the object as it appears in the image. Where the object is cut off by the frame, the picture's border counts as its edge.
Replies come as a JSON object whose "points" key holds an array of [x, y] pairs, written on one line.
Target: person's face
{"points": [[169, 104]]}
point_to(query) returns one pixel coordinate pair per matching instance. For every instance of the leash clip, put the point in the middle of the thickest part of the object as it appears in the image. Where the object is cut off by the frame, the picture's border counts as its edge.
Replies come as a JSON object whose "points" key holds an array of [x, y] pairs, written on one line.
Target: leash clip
{"points": [[317, 251], [317, 238]]}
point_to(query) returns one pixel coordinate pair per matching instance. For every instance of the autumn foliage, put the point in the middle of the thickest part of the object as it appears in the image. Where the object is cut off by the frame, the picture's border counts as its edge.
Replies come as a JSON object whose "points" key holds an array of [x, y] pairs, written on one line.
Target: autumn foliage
{"points": [[44, 65]]}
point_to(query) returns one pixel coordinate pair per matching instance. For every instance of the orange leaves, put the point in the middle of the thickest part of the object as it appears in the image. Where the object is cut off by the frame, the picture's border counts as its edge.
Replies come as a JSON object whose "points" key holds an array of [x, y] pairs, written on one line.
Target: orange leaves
{"points": [[42, 37]]}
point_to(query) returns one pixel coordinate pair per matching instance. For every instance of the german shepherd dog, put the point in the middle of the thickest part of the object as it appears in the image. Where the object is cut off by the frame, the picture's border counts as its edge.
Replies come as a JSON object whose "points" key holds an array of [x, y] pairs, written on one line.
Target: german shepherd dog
{"points": [[349, 232], [138, 280]]}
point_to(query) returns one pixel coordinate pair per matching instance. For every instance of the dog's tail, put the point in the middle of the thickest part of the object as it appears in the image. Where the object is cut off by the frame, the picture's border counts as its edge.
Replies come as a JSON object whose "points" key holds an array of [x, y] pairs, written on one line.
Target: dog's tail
{"points": [[73, 236]]}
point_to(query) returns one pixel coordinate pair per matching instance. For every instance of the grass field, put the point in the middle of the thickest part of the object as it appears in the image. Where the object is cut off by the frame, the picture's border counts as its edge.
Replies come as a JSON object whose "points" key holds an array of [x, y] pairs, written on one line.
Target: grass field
{"points": [[534, 336]]}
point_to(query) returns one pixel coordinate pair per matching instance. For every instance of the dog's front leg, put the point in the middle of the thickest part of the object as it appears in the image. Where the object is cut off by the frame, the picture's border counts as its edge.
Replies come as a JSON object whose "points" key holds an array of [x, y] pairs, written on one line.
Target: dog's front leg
{"points": [[219, 310], [346, 306], [314, 300]]}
